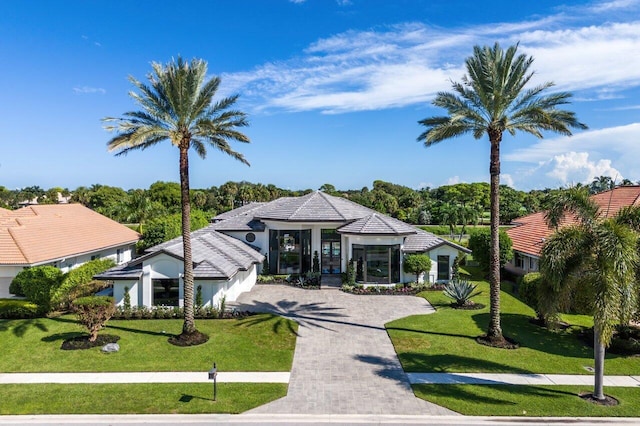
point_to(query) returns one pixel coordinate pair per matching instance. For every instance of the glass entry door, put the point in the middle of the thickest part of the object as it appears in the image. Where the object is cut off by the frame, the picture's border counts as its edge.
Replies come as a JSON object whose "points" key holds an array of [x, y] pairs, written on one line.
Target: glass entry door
{"points": [[331, 257]]}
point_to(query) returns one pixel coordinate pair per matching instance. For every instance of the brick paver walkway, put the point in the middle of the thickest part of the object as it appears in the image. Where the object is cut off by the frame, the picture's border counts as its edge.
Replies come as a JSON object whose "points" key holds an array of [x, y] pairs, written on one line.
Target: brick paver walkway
{"points": [[344, 361]]}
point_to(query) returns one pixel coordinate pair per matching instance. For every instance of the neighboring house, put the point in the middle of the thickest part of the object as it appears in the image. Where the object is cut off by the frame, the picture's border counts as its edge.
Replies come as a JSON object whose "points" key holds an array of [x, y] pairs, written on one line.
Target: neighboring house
{"points": [[61, 235], [229, 253], [530, 232]]}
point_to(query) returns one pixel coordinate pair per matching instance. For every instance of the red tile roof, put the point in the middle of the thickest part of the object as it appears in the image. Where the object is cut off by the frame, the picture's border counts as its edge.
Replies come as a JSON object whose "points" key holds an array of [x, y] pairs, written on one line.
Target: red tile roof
{"points": [[530, 231], [42, 233]]}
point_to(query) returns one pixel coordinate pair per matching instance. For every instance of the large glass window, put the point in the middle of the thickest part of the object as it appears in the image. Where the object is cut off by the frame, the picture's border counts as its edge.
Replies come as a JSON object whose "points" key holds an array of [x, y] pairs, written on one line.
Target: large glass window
{"points": [[166, 291], [377, 263], [443, 268], [289, 251]]}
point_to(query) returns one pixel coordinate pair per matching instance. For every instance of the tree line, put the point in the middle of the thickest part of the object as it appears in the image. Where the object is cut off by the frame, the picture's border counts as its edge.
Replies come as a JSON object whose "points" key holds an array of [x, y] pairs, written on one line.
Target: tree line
{"points": [[450, 205]]}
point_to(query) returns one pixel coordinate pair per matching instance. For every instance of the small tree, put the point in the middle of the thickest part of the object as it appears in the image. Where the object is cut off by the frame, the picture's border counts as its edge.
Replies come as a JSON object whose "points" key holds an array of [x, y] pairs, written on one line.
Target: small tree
{"points": [[417, 264], [480, 244], [93, 312], [316, 262], [265, 265]]}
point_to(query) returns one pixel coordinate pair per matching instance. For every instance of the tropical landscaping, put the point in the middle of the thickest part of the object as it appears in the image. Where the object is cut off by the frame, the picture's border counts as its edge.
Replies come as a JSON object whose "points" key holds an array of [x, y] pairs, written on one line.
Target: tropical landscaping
{"points": [[446, 342], [255, 343]]}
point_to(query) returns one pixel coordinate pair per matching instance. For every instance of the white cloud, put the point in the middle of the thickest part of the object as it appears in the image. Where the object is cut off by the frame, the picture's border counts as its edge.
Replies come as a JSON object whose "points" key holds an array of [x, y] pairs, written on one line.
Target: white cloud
{"points": [[620, 139], [453, 180], [87, 89], [297, 1], [574, 167], [394, 66], [506, 179]]}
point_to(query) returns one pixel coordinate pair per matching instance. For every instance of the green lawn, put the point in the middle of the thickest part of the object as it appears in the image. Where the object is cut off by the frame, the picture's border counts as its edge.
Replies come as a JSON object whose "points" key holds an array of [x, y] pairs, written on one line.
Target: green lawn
{"points": [[183, 398], [547, 401], [445, 341], [256, 343]]}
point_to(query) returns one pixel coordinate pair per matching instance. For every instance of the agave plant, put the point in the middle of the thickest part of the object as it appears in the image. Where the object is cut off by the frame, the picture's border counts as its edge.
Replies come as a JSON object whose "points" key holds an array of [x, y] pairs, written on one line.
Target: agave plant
{"points": [[460, 291]]}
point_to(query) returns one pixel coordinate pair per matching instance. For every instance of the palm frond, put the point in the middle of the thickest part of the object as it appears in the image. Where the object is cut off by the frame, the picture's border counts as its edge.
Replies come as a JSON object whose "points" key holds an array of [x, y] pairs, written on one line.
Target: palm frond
{"points": [[573, 201]]}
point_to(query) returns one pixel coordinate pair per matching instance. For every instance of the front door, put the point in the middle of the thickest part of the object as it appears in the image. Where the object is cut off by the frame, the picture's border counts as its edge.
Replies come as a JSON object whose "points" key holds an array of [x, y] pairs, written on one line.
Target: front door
{"points": [[331, 257]]}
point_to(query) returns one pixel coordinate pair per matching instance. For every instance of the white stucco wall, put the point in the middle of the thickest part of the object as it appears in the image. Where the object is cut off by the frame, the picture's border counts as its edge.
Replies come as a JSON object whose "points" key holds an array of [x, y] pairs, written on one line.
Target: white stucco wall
{"points": [[65, 264], [165, 266]]}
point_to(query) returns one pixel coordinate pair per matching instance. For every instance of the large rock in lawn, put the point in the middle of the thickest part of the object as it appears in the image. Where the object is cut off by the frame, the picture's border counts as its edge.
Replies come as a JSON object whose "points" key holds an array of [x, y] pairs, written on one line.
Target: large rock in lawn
{"points": [[111, 347]]}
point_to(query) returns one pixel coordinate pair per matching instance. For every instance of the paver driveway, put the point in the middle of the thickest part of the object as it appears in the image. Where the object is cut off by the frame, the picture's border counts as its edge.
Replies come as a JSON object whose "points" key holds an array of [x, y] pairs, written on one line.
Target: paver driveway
{"points": [[344, 362]]}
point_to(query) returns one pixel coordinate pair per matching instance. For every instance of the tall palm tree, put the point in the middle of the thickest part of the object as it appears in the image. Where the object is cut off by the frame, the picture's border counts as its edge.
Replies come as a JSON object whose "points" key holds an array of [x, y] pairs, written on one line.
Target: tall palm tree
{"points": [[597, 251], [178, 106], [491, 100]]}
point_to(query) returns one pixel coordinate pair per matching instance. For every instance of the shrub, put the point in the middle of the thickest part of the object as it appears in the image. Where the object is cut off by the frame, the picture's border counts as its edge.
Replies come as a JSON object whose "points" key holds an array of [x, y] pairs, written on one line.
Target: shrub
{"points": [[93, 312], [16, 288], [528, 289], [316, 262], [199, 297], [417, 264], [480, 244], [351, 273], [460, 291], [79, 282], [18, 309], [265, 265], [165, 228], [38, 283], [126, 300]]}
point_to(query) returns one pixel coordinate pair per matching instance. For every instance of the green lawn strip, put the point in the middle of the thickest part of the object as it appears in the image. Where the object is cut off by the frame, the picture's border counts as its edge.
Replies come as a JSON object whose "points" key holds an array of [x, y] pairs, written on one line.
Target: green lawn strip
{"points": [[445, 341], [548, 401], [256, 343], [183, 398]]}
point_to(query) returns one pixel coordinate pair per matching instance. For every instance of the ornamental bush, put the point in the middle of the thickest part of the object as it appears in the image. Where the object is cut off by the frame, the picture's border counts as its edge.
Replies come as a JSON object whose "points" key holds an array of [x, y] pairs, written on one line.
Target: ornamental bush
{"points": [[480, 245], [528, 289], [79, 282], [460, 291], [38, 284], [417, 264], [93, 312], [18, 309]]}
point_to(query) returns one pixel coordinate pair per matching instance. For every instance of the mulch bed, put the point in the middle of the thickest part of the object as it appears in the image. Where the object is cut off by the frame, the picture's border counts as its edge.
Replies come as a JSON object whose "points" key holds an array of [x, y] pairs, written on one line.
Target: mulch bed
{"points": [[504, 343], [608, 401], [82, 342], [189, 339], [469, 306]]}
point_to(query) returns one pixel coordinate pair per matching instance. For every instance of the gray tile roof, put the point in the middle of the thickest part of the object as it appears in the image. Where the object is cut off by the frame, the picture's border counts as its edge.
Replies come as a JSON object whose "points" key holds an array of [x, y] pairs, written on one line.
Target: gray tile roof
{"points": [[126, 271], [377, 224], [423, 241], [313, 207], [215, 256], [247, 208]]}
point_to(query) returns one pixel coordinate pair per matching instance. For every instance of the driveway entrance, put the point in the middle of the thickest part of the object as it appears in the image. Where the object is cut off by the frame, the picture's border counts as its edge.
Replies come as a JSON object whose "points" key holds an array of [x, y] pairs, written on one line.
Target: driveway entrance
{"points": [[344, 362]]}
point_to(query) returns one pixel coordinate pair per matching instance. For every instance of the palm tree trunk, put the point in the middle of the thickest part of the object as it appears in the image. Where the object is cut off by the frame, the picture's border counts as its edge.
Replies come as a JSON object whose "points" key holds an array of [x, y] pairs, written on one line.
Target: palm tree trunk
{"points": [[189, 325], [598, 358], [495, 331]]}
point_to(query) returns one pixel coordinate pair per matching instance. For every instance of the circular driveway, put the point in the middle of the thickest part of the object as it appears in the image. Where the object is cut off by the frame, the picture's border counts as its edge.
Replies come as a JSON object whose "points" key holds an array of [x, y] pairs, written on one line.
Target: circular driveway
{"points": [[344, 362]]}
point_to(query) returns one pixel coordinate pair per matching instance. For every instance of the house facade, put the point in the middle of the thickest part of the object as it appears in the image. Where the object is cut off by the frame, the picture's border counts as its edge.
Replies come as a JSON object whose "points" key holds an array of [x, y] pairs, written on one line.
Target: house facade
{"points": [[60, 235], [530, 232], [288, 232]]}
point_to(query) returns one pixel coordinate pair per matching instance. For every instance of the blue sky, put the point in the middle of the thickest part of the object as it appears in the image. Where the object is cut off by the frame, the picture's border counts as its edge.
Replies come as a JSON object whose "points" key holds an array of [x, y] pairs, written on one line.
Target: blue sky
{"points": [[333, 88]]}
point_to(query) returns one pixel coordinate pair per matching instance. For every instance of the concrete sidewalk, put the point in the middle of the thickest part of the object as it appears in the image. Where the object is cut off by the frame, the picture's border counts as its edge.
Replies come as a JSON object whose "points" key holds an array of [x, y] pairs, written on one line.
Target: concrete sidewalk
{"points": [[145, 377], [518, 379], [283, 377]]}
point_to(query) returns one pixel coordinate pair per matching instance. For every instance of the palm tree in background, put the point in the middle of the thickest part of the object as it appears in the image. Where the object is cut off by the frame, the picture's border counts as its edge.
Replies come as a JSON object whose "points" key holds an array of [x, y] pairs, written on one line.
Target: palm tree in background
{"points": [[492, 99], [597, 251], [178, 106]]}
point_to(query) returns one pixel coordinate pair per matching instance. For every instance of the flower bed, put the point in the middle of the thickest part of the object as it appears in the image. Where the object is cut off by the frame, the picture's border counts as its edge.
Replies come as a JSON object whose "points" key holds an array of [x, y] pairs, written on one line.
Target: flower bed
{"points": [[396, 290]]}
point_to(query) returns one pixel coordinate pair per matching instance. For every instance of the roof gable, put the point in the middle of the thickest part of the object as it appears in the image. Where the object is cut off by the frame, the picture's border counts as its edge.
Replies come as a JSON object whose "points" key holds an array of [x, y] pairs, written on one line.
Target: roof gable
{"points": [[377, 224], [531, 231], [41, 233]]}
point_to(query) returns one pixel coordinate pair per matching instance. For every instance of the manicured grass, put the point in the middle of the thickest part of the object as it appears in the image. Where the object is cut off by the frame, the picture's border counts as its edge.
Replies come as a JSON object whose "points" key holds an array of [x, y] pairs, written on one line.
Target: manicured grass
{"points": [[256, 343], [136, 398], [445, 341], [548, 401]]}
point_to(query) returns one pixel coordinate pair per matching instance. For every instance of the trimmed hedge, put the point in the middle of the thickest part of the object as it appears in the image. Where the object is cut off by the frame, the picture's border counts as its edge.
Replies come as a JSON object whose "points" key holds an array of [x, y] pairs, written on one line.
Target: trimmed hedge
{"points": [[39, 283], [528, 289], [79, 282], [18, 309]]}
